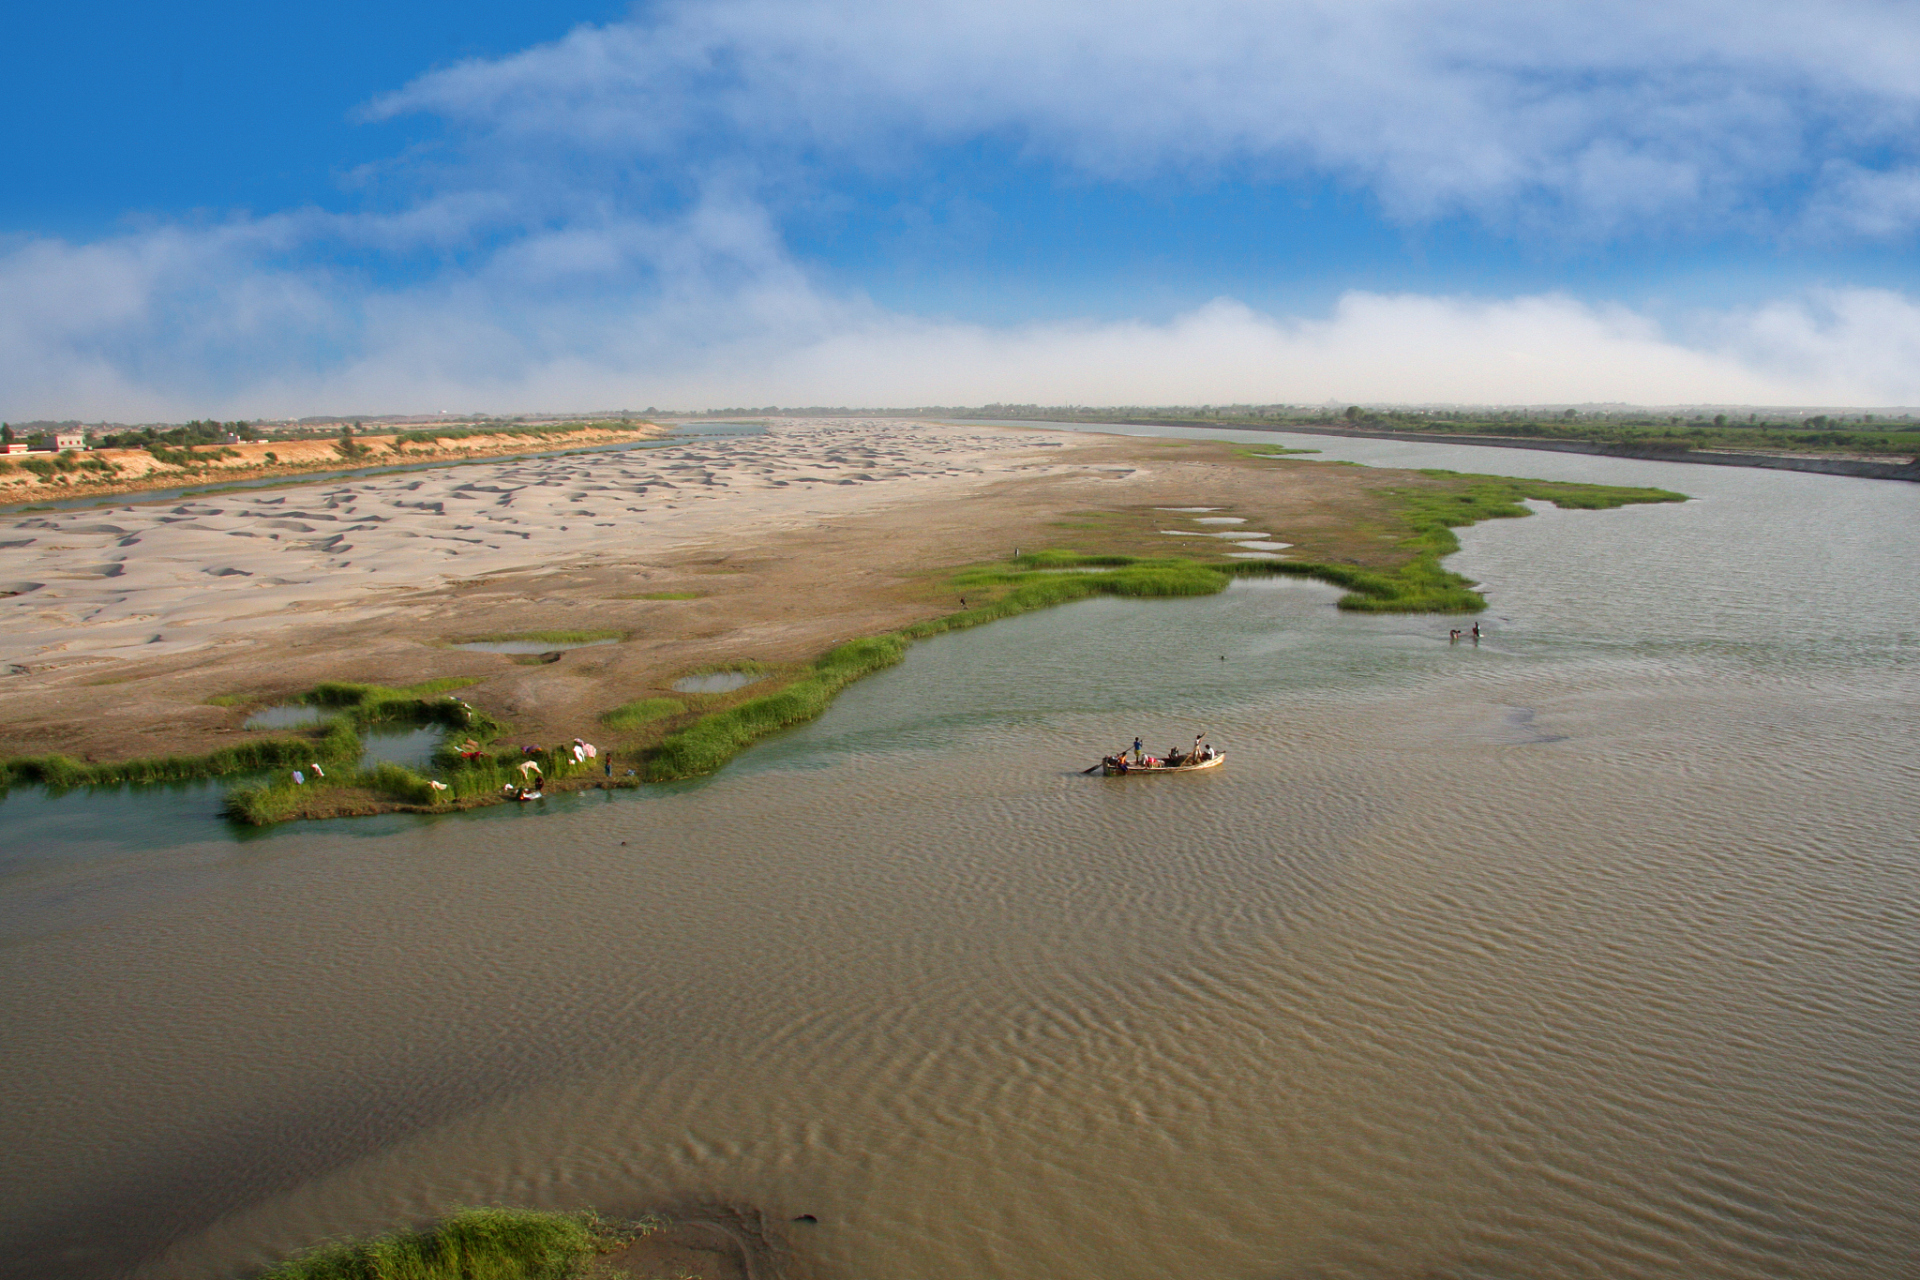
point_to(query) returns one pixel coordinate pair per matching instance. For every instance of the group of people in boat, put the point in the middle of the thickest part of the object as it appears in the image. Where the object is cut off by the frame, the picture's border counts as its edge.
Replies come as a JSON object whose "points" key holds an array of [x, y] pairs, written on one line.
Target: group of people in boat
{"points": [[1174, 758]]}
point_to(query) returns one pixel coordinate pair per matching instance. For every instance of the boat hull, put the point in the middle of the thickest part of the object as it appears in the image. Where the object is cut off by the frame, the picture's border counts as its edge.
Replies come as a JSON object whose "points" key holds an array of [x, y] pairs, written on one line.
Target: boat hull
{"points": [[1110, 771]]}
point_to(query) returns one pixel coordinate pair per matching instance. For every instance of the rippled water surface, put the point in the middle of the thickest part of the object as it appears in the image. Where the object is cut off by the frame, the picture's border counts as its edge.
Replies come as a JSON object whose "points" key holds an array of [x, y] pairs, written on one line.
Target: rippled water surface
{"points": [[1588, 952]]}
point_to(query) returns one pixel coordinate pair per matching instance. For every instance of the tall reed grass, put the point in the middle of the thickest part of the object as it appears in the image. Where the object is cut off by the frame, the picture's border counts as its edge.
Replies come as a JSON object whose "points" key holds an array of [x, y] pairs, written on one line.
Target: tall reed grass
{"points": [[61, 772]]}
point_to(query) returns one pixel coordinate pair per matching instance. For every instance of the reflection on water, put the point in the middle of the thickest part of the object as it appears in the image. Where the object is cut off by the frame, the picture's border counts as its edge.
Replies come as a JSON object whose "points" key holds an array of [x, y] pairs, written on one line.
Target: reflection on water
{"points": [[1587, 952]]}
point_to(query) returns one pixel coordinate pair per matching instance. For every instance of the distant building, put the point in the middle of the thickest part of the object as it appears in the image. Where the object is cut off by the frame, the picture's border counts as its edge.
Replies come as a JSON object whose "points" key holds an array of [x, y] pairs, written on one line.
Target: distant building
{"points": [[56, 441], [15, 446]]}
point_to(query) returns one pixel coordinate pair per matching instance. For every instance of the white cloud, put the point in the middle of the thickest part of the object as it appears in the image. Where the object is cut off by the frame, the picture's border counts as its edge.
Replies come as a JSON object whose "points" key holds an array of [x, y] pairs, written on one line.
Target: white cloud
{"points": [[177, 323], [604, 227], [1590, 116]]}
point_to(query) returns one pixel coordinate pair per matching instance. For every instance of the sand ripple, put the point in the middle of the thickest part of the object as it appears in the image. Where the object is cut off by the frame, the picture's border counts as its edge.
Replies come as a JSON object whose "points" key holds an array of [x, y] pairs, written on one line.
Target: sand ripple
{"points": [[176, 576]]}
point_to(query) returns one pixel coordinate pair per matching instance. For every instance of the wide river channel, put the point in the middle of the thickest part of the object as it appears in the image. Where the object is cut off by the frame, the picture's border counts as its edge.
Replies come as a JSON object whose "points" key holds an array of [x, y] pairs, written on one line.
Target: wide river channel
{"points": [[1593, 951]]}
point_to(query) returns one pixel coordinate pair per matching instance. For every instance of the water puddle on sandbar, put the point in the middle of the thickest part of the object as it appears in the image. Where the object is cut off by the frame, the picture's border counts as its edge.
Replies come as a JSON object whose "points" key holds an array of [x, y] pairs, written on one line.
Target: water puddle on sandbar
{"points": [[409, 745], [716, 682]]}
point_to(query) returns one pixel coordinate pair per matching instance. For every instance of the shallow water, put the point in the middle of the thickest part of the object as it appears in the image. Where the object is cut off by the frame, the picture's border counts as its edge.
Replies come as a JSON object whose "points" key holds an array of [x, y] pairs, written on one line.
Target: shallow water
{"points": [[1587, 952], [410, 745]]}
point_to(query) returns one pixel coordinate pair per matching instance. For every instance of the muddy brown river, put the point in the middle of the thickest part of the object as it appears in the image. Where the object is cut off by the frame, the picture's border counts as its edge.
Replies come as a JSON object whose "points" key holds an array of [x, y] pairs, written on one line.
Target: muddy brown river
{"points": [[1593, 951]]}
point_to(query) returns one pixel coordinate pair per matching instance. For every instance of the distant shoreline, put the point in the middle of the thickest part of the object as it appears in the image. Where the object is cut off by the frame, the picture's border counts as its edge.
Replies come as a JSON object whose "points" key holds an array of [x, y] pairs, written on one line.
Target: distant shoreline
{"points": [[1862, 468], [136, 473]]}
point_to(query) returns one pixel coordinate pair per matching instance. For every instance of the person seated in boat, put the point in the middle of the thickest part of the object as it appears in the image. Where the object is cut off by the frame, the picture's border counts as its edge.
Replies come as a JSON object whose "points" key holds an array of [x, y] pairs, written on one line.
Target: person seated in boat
{"points": [[1174, 758]]}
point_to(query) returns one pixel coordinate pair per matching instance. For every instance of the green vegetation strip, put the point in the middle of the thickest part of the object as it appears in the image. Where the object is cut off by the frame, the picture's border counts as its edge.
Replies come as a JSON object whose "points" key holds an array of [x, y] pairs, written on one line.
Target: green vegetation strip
{"points": [[475, 1244], [61, 772]]}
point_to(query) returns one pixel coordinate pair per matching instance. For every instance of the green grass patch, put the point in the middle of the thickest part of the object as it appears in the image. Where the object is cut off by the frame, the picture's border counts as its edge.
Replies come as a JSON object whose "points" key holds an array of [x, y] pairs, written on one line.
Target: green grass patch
{"points": [[230, 700], [265, 803], [63, 772], [368, 704], [667, 595], [474, 1244], [644, 711], [358, 706], [1272, 451]]}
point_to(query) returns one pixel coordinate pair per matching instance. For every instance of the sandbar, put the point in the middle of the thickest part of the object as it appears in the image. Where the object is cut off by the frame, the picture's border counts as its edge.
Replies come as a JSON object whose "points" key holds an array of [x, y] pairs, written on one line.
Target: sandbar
{"points": [[127, 619]]}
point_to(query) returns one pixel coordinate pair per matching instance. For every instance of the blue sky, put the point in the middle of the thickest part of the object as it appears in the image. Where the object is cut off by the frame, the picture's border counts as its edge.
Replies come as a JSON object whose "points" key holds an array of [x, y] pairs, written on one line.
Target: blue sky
{"points": [[243, 209]]}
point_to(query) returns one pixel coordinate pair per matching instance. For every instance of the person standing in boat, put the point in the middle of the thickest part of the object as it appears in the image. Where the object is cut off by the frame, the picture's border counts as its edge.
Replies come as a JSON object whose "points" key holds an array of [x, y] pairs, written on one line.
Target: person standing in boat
{"points": [[1136, 749]]}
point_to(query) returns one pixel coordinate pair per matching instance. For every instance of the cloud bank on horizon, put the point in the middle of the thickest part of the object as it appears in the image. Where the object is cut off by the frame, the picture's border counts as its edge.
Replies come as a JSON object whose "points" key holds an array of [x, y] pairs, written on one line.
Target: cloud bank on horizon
{"points": [[611, 219]]}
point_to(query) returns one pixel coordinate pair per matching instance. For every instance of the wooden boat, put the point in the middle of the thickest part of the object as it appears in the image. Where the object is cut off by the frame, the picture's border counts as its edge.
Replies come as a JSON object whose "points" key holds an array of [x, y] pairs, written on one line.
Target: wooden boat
{"points": [[1109, 770]]}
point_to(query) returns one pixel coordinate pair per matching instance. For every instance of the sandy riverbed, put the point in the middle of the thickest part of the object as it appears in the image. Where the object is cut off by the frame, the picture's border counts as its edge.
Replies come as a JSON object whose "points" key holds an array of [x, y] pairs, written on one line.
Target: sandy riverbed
{"points": [[128, 618], [141, 581]]}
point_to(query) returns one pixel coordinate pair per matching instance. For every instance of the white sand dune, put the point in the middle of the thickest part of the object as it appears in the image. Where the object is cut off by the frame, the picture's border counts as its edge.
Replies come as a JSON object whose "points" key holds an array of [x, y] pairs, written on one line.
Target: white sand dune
{"points": [[159, 578]]}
